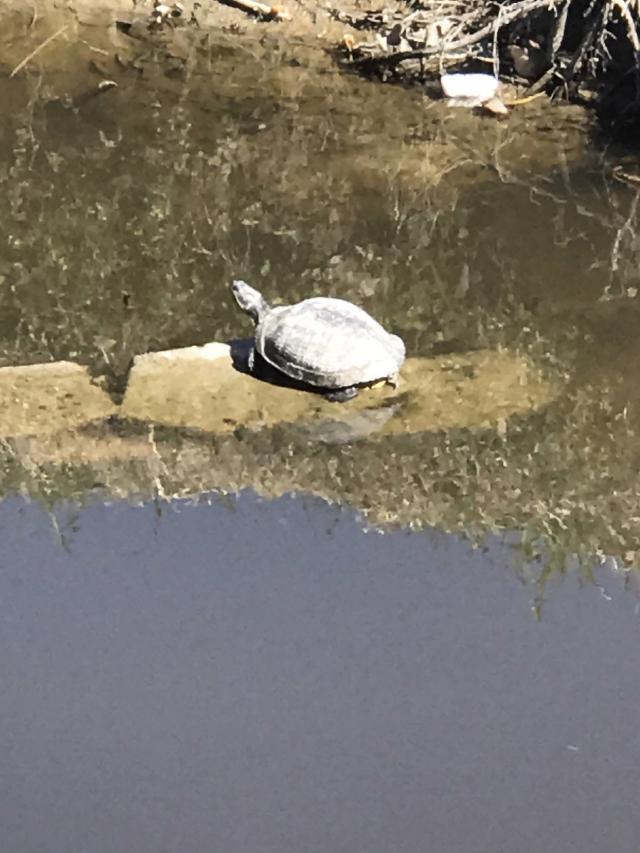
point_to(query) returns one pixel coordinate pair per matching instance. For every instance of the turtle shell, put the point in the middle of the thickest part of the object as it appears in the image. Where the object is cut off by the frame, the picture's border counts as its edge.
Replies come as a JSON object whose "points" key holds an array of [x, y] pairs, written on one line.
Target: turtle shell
{"points": [[329, 343]]}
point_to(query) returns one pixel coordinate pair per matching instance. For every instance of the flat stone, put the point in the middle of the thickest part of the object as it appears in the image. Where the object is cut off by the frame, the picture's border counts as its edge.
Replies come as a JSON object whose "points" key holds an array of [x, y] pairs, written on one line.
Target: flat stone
{"points": [[39, 399], [199, 388], [472, 390]]}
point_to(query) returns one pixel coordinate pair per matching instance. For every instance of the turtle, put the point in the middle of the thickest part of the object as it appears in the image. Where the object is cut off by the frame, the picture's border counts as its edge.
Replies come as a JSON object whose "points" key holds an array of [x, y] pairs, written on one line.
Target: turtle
{"points": [[329, 344]]}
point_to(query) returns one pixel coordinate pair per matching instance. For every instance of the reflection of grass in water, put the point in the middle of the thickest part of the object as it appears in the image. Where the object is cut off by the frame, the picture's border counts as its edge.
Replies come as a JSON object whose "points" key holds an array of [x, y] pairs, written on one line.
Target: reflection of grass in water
{"points": [[124, 234], [127, 227], [564, 477]]}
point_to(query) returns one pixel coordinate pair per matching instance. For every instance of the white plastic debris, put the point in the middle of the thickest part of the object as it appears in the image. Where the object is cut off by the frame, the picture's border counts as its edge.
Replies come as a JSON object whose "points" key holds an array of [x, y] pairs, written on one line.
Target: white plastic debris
{"points": [[470, 90], [480, 87]]}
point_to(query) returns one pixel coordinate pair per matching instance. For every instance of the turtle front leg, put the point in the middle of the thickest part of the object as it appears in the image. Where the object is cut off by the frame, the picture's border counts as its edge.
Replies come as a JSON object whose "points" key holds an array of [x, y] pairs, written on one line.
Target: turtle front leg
{"points": [[341, 395]]}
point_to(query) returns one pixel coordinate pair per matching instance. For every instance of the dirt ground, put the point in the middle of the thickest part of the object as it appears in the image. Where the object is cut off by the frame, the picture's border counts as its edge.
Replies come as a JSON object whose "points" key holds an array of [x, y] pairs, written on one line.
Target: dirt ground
{"points": [[64, 49], [26, 24], [67, 49]]}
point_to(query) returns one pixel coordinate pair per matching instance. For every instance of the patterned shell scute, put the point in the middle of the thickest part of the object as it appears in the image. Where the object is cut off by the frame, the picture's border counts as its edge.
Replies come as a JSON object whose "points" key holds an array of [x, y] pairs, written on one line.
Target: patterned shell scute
{"points": [[329, 343]]}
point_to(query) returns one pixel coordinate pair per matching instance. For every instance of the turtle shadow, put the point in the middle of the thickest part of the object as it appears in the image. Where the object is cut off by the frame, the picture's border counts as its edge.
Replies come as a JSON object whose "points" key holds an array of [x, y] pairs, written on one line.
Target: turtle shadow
{"points": [[241, 350]]}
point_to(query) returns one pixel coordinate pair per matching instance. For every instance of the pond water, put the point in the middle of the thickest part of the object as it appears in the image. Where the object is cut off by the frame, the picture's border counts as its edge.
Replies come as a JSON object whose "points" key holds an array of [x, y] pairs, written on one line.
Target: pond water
{"points": [[370, 637], [265, 676]]}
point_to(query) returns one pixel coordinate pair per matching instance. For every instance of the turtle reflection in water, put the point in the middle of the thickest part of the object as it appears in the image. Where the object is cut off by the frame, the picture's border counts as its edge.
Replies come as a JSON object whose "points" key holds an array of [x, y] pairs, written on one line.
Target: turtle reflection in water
{"points": [[329, 344]]}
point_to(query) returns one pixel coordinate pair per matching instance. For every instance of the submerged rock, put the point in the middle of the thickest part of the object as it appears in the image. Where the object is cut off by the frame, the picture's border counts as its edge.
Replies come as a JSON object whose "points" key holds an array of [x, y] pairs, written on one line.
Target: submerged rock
{"points": [[199, 388], [42, 399]]}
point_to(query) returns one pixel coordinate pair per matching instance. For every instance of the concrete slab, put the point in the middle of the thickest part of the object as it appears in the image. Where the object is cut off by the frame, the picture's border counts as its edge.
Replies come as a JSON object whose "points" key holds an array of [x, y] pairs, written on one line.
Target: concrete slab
{"points": [[198, 387], [43, 399]]}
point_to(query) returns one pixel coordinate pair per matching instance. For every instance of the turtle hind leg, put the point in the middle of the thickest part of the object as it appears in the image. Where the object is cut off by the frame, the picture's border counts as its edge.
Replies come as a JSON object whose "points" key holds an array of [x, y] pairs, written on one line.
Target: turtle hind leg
{"points": [[341, 395]]}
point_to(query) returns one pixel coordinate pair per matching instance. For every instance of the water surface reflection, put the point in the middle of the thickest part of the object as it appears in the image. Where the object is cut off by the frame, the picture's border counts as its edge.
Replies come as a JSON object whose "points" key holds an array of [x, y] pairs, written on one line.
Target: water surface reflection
{"points": [[265, 676]]}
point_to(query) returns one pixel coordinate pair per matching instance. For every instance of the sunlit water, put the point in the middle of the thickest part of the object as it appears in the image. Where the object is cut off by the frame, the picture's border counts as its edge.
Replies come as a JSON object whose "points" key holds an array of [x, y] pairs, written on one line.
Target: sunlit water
{"points": [[263, 675]]}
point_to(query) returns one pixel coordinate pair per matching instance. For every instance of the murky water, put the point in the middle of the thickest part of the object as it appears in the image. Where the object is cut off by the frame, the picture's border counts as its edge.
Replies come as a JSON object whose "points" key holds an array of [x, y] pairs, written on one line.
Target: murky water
{"points": [[269, 674], [128, 214]]}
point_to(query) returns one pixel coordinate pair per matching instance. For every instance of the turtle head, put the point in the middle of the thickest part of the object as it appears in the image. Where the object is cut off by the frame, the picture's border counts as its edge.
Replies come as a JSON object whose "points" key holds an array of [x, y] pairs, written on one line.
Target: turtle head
{"points": [[250, 300]]}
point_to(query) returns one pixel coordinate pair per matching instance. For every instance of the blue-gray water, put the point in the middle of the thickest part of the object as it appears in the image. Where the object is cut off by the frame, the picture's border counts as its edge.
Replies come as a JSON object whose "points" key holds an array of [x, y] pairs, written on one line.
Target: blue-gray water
{"points": [[265, 677]]}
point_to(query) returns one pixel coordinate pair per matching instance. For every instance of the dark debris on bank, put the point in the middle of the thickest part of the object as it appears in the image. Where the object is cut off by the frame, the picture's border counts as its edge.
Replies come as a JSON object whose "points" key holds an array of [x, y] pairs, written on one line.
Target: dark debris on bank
{"points": [[584, 51]]}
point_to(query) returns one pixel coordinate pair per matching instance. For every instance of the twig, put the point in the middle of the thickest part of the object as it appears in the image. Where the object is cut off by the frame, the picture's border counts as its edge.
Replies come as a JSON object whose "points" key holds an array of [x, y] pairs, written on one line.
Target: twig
{"points": [[584, 46], [519, 10], [94, 49], [37, 50], [264, 10], [496, 59], [554, 47], [626, 226], [537, 87], [34, 17], [626, 177], [525, 100], [558, 32], [623, 8], [100, 89]]}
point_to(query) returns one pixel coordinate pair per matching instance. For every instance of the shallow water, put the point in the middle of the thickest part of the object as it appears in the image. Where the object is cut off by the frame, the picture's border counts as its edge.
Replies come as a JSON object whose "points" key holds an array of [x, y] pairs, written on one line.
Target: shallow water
{"points": [[265, 676], [128, 214], [230, 154]]}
